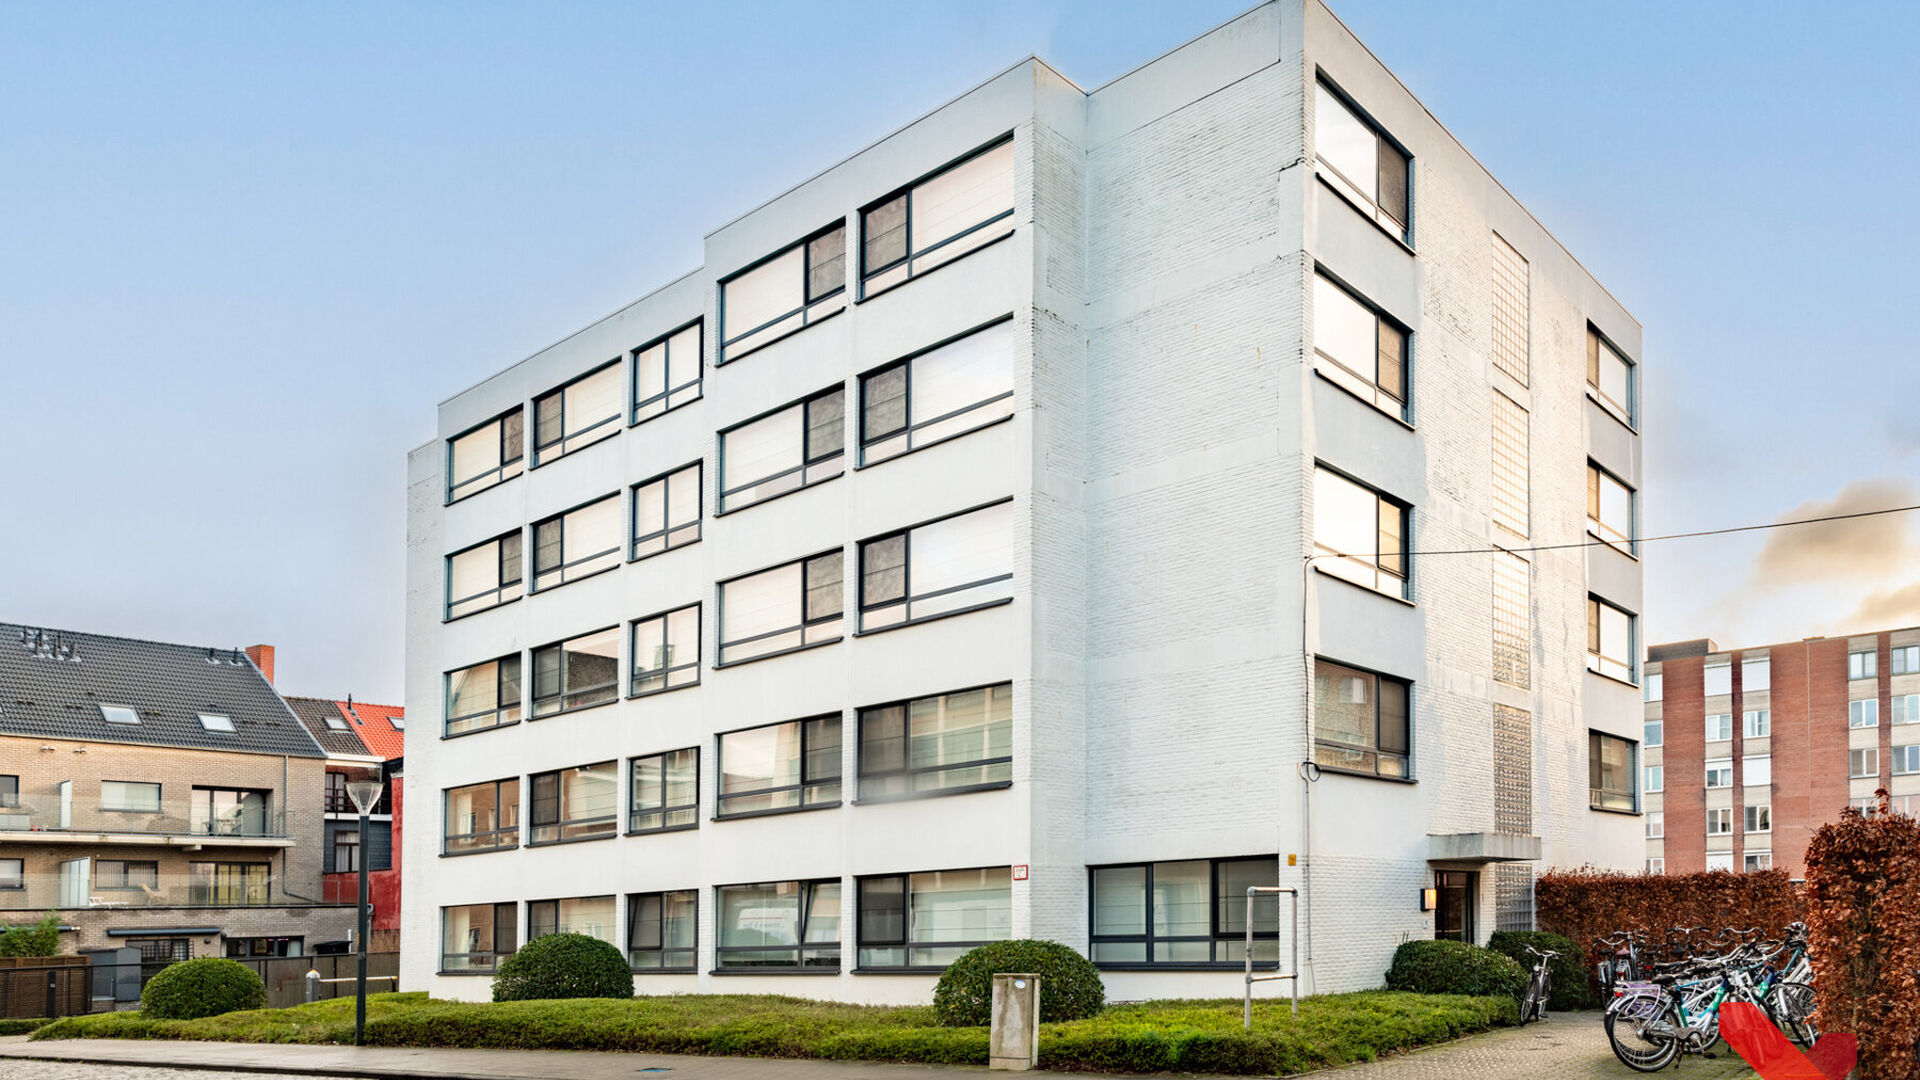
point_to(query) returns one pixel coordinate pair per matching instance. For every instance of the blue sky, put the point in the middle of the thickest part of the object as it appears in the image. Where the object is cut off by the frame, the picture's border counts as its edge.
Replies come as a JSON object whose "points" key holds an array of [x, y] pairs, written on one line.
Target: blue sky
{"points": [[245, 249]]}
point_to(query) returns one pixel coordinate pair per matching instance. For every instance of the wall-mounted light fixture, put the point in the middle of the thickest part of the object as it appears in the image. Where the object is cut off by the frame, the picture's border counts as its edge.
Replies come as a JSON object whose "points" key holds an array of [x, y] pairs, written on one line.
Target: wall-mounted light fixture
{"points": [[1429, 899]]}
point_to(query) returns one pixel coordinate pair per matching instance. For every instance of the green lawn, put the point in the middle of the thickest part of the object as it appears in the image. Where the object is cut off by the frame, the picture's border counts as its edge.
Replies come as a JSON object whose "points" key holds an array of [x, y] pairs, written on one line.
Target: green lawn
{"points": [[1187, 1036]]}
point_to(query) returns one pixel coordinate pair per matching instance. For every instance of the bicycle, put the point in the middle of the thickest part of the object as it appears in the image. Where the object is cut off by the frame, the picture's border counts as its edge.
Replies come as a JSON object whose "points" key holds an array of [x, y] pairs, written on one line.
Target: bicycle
{"points": [[1533, 1005]]}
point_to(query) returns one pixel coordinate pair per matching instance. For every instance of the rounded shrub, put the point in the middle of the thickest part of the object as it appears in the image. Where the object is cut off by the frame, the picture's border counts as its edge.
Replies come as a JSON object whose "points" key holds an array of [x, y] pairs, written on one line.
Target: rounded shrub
{"points": [[1070, 986], [1572, 979], [563, 966], [208, 986], [1455, 967]]}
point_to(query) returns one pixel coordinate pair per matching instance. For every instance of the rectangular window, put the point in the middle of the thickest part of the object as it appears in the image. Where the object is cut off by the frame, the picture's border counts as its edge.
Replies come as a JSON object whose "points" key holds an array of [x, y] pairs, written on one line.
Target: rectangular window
{"points": [[230, 812], [660, 930], [486, 455], [346, 852], [1906, 760], [1863, 714], [216, 722], [121, 874], [476, 937], [1192, 912], [577, 674], [1360, 162], [1757, 771], [1905, 659], [1655, 732], [1757, 860], [13, 874], [1756, 723], [1719, 772], [1656, 687], [666, 511], [1759, 818], [1358, 348], [134, 796], [785, 924], [666, 651], [926, 921], [1656, 778], [948, 390], [219, 884], [1656, 825], [1656, 866], [578, 414], [1510, 481], [788, 607], [1719, 727], [1610, 768], [779, 295], [1609, 640], [119, 714], [581, 803], [9, 791], [1512, 620], [1719, 860], [1863, 665], [1359, 534], [949, 742], [1609, 508], [581, 542], [484, 695], [589, 915], [794, 447], [1360, 721], [1718, 678], [944, 567], [1719, 821], [1756, 674], [665, 792], [483, 576], [962, 208], [1510, 310], [789, 766], [666, 373], [1906, 710], [482, 817], [1610, 377]]}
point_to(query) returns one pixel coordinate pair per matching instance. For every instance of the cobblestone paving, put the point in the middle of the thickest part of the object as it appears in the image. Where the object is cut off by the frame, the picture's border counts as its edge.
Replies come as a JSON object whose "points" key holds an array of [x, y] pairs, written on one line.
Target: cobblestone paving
{"points": [[1567, 1047]]}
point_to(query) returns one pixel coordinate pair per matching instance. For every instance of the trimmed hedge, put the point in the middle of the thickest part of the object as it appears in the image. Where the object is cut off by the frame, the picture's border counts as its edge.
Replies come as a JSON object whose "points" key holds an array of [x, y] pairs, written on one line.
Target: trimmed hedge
{"points": [[1070, 986], [1863, 933], [40, 939], [1455, 967], [208, 986], [563, 966], [20, 1027], [1571, 981]]}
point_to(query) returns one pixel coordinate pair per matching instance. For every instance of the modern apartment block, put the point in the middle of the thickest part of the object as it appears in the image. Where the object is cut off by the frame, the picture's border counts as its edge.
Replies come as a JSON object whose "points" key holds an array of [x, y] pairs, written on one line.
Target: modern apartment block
{"points": [[1748, 751], [1017, 529]]}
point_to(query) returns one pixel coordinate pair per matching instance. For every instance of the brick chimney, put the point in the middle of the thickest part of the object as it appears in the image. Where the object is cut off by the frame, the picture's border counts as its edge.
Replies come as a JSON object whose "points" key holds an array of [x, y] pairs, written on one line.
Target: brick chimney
{"points": [[262, 657]]}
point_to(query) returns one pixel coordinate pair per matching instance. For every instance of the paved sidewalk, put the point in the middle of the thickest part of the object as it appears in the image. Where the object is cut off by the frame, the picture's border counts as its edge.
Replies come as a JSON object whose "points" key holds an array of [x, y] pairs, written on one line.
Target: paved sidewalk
{"points": [[1571, 1046]]}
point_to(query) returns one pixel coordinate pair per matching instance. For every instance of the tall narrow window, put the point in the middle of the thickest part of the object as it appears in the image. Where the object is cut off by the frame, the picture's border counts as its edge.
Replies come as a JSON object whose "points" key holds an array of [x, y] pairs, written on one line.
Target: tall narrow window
{"points": [[476, 937], [1610, 766], [579, 543], [1359, 534], [484, 575], [959, 563], [788, 607], [666, 651], [1360, 162], [589, 915], [1610, 377], [926, 921], [1609, 640], [785, 924], [577, 414], [791, 448], [665, 793], [661, 930], [945, 391], [779, 295], [581, 803], [1656, 778], [1609, 508], [1358, 348], [934, 221], [666, 373], [1360, 721], [486, 455], [577, 674], [666, 511], [482, 817], [1512, 620], [1511, 313], [1510, 479], [1655, 687], [1192, 912], [950, 742], [1656, 825], [484, 695], [1656, 733], [790, 766]]}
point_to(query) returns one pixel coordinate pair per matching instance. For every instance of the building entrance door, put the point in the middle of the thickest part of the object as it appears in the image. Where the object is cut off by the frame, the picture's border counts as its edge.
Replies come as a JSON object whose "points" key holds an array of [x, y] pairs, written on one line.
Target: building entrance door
{"points": [[1453, 916]]}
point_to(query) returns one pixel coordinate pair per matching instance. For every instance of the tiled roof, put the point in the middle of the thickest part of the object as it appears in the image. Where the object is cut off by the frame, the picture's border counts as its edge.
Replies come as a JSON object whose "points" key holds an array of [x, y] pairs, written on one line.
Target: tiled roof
{"points": [[314, 713], [375, 724], [53, 682]]}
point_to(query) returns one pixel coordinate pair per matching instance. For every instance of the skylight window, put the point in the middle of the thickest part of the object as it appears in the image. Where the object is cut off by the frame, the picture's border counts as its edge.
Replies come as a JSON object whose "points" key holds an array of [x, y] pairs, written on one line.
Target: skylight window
{"points": [[216, 722], [119, 714], [337, 723], [399, 723]]}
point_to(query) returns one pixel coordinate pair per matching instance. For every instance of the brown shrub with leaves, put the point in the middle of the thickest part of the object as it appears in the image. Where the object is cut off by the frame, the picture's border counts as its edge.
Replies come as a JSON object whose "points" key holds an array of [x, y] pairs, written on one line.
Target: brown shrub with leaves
{"points": [[1863, 927], [1585, 904]]}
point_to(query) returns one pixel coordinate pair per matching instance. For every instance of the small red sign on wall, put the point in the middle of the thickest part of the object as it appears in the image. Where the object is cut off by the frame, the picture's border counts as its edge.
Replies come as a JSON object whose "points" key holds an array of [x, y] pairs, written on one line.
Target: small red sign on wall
{"points": [[1020, 872]]}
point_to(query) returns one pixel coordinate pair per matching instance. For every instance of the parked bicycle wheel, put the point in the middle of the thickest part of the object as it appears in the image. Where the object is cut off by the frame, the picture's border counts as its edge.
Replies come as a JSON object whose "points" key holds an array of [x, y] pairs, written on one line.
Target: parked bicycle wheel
{"points": [[1645, 1032], [1790, 1007], [1533, 1004]]}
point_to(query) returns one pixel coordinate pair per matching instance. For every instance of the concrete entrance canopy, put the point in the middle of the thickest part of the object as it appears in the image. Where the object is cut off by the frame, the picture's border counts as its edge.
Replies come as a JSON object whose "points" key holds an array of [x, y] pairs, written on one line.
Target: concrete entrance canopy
{"points": [[1482, 847]]}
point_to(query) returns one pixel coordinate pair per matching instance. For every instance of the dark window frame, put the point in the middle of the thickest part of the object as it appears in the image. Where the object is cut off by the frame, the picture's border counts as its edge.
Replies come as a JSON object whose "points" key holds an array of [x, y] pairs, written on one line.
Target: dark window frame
{"points": [[667, 530], [1596, 640], [1375, 207], [214, 888], [665, 674], [808, 299], [1597, 795], [1404, 555], [801, 787], [666, 395], [1595, 502], [561, 824], [13, 878], [865, 439], [511, 909], [449, 601], [908, 771], [692, 949], [505, 838], [1628, 411], [1215, 937], [534, 905], [519, 456], [863, 272], [1382, 321], [907, 597], [803, 626], [537, 458], [518, 705], [665, 810], [126, 882], [861, 908], [533, 698], [809, 458], [9, 790], [533, 579], [806, 887], [347, 839], [1379, 742]]}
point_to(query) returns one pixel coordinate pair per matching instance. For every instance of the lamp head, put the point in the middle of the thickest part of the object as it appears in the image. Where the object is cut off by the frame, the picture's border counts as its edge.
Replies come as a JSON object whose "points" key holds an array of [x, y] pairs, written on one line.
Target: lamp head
{"points": [[365, 795]]}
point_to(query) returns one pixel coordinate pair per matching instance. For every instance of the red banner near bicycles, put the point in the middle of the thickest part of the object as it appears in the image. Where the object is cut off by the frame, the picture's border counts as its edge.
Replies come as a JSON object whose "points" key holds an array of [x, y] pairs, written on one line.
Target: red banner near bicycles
{"points": [[1774, 1057]]}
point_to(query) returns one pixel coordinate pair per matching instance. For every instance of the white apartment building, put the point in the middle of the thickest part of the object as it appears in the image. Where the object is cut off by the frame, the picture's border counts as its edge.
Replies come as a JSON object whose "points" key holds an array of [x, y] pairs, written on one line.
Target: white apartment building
{"points": [[986, 538]]}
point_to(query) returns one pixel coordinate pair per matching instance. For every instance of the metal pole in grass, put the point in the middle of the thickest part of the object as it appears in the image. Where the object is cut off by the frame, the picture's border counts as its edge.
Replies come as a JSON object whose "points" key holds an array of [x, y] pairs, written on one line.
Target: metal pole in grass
{"points": [[365, 794], [1246, 1010]]}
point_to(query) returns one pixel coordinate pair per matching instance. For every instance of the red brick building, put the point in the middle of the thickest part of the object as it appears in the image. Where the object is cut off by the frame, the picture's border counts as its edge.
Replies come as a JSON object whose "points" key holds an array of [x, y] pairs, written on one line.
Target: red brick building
{"points": [[1748, 751]]}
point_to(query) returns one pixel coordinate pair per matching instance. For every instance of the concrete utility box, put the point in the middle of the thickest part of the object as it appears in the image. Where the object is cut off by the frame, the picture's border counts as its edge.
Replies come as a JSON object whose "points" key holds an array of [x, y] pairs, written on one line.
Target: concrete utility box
{"points": [[1014, 1042]]}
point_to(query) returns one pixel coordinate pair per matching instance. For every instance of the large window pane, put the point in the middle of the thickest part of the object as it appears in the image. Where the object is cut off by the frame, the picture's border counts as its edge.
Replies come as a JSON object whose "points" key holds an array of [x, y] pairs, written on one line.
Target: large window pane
{"points": [[482, 817], [1609, 508], [580, 542], [928, 920], [951, 741], [666, 511], [130, 795], [939, 219], [1357, 348], [1610, 763], [666, 374], [487, 455], [666, 651], [660, 930], [1360, 721], [486, 575], [790, 924], [589, 915], [793, 289], [665, 792], [476, 937], [576, 415], [575, 804], [1358, 534], [801, 444], [484, 695], [943, 392], [1610, 376], [1358, 161], [784, 608], [1189, 912], [940, 568], [780, 767], [577, 674], [1609, 640]]}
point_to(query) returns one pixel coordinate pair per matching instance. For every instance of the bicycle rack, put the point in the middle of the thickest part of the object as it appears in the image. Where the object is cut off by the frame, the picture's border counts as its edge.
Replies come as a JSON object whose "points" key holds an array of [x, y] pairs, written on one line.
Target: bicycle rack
{"points": [[1246, 1013]]}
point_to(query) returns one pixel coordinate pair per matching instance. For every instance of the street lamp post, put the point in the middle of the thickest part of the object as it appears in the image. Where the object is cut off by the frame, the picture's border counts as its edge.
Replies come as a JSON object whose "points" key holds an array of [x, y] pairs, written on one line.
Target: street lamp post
{"points": [[365, 795]]}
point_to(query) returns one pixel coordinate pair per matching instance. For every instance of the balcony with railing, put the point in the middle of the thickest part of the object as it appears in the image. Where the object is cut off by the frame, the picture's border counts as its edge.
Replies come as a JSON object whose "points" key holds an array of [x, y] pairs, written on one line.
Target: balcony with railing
{"points": [[64, 819], [82, 884]]}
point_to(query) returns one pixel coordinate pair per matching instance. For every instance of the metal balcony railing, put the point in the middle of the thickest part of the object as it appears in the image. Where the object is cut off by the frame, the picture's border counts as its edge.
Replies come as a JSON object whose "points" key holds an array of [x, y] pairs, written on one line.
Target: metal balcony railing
{"points": [[58, 815], [85, 884]]}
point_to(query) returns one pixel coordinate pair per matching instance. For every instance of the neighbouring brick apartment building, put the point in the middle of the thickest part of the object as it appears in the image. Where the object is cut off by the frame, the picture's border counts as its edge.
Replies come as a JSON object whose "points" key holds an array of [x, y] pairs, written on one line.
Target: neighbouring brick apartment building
{"points": [[158, 797], [363, 742], [1015, 530], [1748, 751]]}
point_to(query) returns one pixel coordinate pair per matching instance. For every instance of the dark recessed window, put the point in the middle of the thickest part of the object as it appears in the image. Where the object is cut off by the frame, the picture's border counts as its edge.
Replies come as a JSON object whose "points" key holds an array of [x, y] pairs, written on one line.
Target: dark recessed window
{"points": [[1359, 348], [661, 930], [482, 817], [476, 937], [961, 208], [666, 651], [484, 575], [1360, 162], [1192, 912], [944, 567], [778, 610], [666, 792], [789, 766], [589, 915], [578, 414], [577, 674], [927, 921], [576, 544], [486, 455], [801, 444], [791, 290], [9, 791], [666, 374], [941, 743], [1360, 720], [666, 511], [581, 803], [784, 924], [120, 874], [946, 391], [1610, 771], [482, 696]]}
